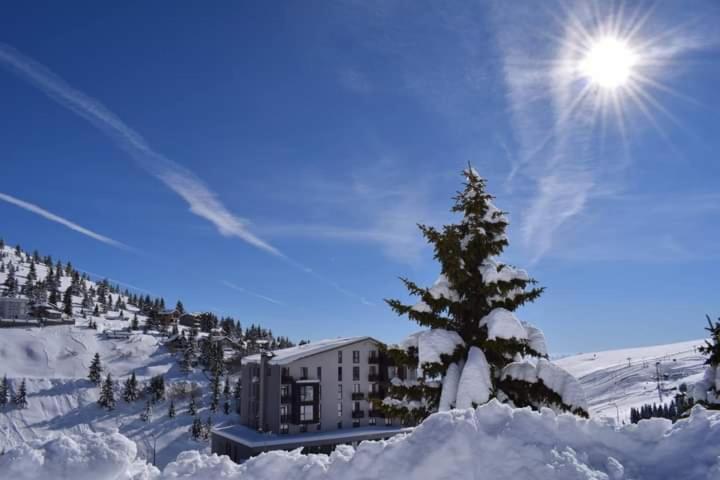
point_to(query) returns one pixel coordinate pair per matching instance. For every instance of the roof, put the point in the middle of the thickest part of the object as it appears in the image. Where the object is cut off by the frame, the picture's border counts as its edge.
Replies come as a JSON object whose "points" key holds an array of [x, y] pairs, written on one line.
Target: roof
{"points": [[252, 438], [289, 355]]}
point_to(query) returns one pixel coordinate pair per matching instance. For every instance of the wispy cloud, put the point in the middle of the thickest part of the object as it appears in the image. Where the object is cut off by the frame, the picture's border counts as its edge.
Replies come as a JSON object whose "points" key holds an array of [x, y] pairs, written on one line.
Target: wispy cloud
{"points": [[31, 207], [201, 200], [251, 293]]}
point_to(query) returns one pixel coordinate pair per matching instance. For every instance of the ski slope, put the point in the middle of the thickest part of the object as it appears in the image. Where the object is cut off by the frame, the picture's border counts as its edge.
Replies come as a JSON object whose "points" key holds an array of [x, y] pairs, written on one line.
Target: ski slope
{"points": [[617, 380]]}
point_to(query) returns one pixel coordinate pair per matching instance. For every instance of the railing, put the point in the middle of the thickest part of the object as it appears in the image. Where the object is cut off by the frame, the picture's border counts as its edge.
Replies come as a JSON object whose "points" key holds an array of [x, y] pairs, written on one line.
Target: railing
{"points": [[373, 377], [284, 418], [286, 379], [357, 396], [376, 413], [358, 414], [285, 399], [374, 358]]}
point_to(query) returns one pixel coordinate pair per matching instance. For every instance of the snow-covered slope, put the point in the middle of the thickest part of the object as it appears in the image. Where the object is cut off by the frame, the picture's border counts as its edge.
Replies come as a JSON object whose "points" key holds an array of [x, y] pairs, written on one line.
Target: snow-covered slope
{"points": [[617, 380]]}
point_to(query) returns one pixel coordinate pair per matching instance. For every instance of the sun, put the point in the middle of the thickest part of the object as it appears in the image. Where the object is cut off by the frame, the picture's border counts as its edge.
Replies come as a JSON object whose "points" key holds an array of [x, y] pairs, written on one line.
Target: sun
{"points": [[608, 63]]}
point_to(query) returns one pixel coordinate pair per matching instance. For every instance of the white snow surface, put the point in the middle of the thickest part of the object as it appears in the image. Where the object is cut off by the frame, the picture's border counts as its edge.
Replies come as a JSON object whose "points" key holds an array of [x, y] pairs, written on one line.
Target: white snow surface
{"points": [[435, 342], [506, 273], [448, 394], [442, 288], [474, 385], [536, 338], [491, 442], [502, 323]]}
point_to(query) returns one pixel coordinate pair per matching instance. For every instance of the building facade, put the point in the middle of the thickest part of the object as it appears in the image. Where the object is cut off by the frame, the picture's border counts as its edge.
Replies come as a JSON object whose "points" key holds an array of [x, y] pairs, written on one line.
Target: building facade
{"points": [[14, 308], [315, 395]]}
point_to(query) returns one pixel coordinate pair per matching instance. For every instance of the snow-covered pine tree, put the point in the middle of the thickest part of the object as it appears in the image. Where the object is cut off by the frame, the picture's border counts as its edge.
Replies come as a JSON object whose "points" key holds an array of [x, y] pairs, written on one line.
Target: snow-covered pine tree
{"points": [[130, 389], [171, 409], [157, 388], [215, 385], [192, 406], [107, 395], [10, 284], [187, 359], [474, 348], [20, 398], [95, 372], [196, 429], [4, 391], [134, 323], [68, 302], [707, 391], [146, 414]]}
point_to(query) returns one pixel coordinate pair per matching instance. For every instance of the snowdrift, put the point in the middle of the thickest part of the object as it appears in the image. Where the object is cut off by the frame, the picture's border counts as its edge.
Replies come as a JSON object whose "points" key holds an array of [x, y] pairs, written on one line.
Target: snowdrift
{"points": [[491, 442]]}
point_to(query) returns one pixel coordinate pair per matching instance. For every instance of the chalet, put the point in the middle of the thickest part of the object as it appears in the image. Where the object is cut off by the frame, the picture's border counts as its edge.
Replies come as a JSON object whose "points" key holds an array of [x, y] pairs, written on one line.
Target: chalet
{"points": [[46, 311]]}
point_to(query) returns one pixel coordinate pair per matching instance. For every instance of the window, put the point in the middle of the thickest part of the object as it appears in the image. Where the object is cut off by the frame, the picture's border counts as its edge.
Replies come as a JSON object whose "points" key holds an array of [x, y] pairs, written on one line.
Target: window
{"points": [[356, 423], [356, 356], [356, 374], [283, 410], [339, 425], [304, 372], [339, 409], [374, 387], [307, 393], [339, 391], [339, 356], [388, 421], [373, 370], [339, 374], [392, 372], [307, 413], [356, 406], [285, 393], [303, 428], [319, 373], [356, 388], [284, 428], [285, 372], [371, 421]]}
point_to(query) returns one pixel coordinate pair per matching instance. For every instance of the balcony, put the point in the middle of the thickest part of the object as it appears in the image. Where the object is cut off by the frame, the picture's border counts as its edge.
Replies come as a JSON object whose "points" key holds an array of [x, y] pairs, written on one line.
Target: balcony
{"points": [[358, 396], [374, 358], [358, 414], [285, 399], [376, 414], [285, 418], [373, 377], [286, 379]]}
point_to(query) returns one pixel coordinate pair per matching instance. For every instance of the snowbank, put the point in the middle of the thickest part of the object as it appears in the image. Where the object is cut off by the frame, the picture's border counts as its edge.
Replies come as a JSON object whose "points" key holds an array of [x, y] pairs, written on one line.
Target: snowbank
{"points": [[91, 456], [491, 442]]}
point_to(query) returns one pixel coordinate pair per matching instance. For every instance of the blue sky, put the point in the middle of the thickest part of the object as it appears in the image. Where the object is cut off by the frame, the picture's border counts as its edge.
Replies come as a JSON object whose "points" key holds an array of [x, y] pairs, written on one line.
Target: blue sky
{"points": [[271, 161]]}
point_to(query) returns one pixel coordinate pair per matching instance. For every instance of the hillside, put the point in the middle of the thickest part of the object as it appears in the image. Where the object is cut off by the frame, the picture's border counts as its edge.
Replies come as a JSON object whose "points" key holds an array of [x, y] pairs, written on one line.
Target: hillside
{"points": [[617, 380], [54, 361]]}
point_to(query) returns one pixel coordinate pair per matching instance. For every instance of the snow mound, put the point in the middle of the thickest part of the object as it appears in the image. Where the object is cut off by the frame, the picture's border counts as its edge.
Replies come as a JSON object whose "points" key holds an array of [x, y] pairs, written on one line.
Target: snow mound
{"points": [[436, 342], [474, 385], [491, 442], [502, 323], [88, 456], [448, 395]]}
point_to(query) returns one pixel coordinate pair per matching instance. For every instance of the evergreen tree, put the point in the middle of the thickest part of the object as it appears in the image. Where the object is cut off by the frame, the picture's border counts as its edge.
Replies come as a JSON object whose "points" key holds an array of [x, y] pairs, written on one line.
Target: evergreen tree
{"points": [[130, 389], [95, 370], [157, 388], [188, 355], [196, 429], [20, 398], [146, 414], [171, 409], [207, 428], [471, 306], [68, 302], [192, 406], [226, 407], [237, 395], [215, 385], [135, 324], [706, 391], [180, 307], [10, 284], [107, 396], [4, 391]]}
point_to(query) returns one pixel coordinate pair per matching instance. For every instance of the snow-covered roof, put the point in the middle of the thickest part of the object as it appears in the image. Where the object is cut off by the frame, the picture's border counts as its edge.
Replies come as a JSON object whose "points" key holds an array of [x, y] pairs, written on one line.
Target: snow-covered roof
{"points": [[289, 355]]}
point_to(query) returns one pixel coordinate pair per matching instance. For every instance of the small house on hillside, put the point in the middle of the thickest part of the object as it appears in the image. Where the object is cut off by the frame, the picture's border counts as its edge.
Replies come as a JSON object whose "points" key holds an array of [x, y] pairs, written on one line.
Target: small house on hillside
{"points": [[46, 311]]}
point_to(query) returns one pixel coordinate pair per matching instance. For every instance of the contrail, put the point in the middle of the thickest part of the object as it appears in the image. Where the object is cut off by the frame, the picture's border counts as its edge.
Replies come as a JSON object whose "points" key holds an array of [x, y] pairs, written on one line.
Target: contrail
{"points": [[31, 207]]}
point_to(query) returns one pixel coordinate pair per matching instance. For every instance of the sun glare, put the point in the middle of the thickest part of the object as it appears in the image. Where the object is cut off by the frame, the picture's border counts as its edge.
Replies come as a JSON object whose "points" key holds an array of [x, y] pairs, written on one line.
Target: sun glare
{"points": [[608, 63]]}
